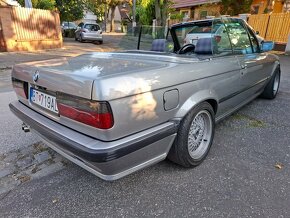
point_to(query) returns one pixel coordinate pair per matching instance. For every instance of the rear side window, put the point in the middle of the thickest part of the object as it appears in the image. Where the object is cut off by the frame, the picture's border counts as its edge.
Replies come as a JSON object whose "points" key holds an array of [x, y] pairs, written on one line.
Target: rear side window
{"points": [[92, 27]]}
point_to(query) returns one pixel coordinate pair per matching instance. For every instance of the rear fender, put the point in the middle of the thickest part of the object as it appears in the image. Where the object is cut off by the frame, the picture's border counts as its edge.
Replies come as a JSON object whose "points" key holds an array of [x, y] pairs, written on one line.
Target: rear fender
{"points": [[195, 99]]}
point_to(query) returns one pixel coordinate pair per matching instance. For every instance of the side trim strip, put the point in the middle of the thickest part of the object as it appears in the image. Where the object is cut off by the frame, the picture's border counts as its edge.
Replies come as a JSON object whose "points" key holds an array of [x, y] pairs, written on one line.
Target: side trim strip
{"points": [[241, 91]]}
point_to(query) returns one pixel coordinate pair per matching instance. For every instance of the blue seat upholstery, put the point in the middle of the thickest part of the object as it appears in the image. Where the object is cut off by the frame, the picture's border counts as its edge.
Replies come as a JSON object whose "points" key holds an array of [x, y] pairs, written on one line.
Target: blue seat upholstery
{"points": [[204, 46], [159, 45]]}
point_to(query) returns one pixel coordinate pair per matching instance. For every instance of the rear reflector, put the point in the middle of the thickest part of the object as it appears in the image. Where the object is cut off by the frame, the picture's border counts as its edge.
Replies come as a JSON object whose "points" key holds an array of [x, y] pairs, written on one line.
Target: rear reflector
{"points": [[93, 113], [20, 87]]}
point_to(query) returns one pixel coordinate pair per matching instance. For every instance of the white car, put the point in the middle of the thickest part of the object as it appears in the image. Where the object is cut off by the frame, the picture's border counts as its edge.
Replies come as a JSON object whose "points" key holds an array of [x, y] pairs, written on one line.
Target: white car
{"points": [[198, 32], [89, 32]]}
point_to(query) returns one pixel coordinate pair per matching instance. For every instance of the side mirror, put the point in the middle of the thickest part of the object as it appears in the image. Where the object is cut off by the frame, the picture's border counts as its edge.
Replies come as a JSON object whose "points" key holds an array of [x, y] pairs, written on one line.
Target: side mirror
{"points": [[268, 46]]}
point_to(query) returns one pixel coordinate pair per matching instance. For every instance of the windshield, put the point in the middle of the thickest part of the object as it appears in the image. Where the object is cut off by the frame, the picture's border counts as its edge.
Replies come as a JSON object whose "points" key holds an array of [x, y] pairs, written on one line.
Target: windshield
{"points": [[190, 33], [209, 37]]}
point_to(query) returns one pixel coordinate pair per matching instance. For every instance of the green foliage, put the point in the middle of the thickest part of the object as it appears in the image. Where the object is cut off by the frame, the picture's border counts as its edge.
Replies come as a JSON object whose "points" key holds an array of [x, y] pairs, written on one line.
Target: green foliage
{"points": [[97, 7], [70, 10], [41, 4], [46, 4], [145, 12], [235, 7], [176, 16]]}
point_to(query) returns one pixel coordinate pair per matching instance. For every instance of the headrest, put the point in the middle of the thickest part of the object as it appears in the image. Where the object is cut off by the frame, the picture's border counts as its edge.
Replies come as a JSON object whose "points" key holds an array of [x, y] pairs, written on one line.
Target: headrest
{"points": [[204, 46], [159, 45]]}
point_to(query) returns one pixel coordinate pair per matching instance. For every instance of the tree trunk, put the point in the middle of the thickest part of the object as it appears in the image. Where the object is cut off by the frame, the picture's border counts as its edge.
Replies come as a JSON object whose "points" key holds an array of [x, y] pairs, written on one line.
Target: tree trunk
{"points": [[157, 12], [164, 12], [112, 28]]}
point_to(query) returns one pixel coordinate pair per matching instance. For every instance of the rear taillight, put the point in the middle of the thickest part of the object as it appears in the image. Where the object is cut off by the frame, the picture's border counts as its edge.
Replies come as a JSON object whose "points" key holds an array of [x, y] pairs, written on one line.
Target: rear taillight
{"points": [[20, 87], [93, 113]]}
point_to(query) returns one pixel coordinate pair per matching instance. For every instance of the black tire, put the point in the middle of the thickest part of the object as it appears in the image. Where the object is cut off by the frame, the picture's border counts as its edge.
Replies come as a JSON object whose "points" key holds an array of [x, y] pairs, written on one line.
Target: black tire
{"points": [[179, 152], [272, 88], [100, 42]]}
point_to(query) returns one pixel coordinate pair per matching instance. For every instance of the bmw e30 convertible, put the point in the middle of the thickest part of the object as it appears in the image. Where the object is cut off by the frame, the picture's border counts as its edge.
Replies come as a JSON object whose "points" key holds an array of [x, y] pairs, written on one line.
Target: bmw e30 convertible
{"points": [[116, 113]]}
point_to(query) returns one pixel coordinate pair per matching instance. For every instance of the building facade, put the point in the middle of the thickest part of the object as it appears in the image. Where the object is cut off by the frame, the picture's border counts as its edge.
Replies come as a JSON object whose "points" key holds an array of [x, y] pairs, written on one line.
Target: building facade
{"points": [[268, 6], [197, 9]]}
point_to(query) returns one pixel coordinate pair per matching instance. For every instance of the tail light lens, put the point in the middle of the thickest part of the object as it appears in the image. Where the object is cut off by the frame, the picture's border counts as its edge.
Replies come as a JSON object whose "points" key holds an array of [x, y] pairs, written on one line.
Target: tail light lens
{"points": [[20, 87], [93, 113]]}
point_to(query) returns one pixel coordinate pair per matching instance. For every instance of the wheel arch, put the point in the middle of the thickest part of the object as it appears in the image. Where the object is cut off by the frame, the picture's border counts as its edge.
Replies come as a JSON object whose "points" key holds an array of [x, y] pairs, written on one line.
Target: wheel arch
{"points": [[208, 96]]}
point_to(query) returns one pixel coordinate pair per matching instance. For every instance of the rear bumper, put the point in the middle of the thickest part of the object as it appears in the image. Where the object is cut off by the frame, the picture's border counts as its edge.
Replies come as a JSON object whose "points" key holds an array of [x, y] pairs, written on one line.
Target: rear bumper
{"points": [[108, 160], [92, 37]]}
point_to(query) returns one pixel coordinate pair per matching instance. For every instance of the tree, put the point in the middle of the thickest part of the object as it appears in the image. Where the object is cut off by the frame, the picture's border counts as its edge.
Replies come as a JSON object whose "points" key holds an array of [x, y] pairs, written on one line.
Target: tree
{"points": [[101, 8], [97, 7], [235, 7], [148, 10], [112, 4], [161, 11], [41, 4], [145, 11], [70, 10]]}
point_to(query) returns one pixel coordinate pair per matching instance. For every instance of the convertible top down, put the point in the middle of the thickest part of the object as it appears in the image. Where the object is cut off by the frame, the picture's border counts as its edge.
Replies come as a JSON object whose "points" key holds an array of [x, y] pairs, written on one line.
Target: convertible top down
{"points": [[115, 113]]}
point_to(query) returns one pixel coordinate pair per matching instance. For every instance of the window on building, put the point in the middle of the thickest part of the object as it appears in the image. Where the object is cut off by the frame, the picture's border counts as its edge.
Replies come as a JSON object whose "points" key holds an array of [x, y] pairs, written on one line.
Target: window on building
{"points": [[203, 14], [256, 9], [185, 13]]}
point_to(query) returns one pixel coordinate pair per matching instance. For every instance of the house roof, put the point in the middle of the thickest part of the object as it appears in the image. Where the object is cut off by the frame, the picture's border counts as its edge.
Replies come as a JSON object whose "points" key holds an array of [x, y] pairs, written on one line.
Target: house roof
{"points": [[190, 3]]}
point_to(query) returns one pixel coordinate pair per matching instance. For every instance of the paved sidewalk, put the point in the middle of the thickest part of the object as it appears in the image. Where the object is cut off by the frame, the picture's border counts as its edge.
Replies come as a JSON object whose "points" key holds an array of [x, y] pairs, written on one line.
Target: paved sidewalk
{"points": [[71, 48], [23, 156]]}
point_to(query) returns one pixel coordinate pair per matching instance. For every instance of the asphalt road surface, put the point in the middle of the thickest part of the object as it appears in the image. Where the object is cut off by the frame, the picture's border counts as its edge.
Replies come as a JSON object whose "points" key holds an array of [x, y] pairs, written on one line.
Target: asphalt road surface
{"points": [[245, 175]]}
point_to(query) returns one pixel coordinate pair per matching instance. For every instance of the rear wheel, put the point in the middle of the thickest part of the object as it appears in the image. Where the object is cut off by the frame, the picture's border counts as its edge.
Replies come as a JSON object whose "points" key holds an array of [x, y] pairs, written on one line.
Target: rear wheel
{"points": [[194, 137], [272, 87]]}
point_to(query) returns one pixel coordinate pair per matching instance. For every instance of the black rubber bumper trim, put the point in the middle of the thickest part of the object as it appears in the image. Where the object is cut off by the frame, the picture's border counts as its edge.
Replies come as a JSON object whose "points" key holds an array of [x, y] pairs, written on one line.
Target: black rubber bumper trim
{"points": [[90, 154]]}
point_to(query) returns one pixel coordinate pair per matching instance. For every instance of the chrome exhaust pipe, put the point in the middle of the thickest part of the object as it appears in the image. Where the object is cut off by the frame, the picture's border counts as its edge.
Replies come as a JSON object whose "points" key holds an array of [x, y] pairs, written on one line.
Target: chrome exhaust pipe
{"points": [[25, 128]]}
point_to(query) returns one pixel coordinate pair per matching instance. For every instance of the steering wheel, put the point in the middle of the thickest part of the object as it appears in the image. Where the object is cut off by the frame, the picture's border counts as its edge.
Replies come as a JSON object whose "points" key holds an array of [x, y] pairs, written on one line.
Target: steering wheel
{"points": [[186, 48]]}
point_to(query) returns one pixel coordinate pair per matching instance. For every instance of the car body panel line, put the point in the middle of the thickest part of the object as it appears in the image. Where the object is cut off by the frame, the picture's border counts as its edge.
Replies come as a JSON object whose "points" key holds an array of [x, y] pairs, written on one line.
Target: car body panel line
{"points": [[122, 147], [243, 90]]}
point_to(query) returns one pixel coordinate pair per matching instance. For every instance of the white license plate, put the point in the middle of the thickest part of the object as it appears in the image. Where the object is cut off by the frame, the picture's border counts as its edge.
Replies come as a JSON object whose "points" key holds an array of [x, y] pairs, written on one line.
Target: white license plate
{"points": [[43, 100]]}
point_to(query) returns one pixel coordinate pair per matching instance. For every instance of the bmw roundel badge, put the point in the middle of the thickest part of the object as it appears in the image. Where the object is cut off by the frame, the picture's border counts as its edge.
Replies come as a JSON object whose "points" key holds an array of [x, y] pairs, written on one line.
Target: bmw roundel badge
{"points": [[35, 76]]}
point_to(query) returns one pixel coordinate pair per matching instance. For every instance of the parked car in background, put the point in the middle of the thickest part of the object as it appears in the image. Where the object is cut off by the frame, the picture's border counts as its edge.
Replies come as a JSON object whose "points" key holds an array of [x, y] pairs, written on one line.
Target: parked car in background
{"points": [[198, 32], [66, 27], [89, 32], [116, 113]]}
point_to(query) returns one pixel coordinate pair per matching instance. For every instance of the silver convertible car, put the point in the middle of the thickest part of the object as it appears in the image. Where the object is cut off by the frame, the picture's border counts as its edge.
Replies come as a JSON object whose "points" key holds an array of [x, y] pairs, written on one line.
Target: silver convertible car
{"points": [[116, 113]]}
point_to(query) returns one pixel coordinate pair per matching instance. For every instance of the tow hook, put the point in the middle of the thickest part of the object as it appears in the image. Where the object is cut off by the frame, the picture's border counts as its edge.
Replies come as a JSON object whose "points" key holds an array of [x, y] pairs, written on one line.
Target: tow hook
{"points": [[25, 128]]}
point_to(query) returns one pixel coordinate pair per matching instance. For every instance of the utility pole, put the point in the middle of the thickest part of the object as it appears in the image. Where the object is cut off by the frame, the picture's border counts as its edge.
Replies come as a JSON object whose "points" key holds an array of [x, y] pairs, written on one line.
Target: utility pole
{"points": [[134, 15]]}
